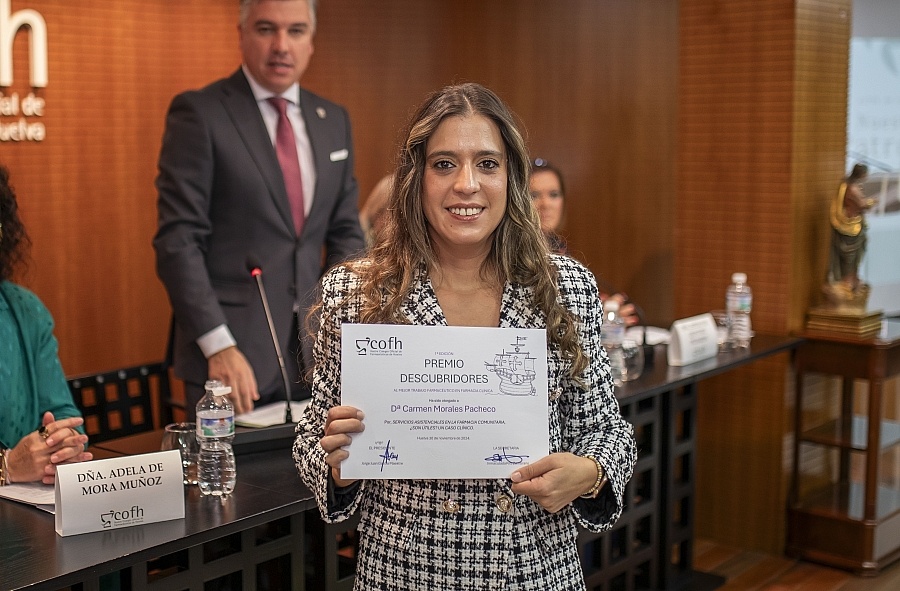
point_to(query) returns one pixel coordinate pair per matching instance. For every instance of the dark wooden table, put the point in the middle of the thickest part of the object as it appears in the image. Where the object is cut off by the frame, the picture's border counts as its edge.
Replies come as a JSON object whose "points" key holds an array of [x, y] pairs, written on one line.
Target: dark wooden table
{"points": [[268, 516], [260, 522], [651, 546]]}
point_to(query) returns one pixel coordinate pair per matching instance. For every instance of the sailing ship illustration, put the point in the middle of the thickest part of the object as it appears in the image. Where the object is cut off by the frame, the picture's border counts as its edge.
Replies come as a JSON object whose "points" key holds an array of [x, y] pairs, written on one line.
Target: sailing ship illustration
{"points": [[515, 369]]}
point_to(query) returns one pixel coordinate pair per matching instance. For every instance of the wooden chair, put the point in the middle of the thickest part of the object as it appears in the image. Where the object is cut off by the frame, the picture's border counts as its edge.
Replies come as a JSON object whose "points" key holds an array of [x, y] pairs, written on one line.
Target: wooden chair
{"points": [[121, 402]]}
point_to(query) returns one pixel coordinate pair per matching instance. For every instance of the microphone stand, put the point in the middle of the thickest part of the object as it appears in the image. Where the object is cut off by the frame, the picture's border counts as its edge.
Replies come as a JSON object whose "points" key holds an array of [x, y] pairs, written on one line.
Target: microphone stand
{"points": [[257, 273], [648, 349]]}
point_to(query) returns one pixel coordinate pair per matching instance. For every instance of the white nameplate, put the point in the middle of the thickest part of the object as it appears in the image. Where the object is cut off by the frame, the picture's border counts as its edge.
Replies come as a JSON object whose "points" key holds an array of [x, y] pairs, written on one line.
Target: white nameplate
{"points": [[119, 492], [692, 339]]}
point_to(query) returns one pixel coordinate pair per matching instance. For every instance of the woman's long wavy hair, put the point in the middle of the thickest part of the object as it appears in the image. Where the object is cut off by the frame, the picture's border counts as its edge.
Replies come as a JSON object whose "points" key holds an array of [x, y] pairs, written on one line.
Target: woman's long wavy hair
{"points": [[519, 251], [13, 238]]}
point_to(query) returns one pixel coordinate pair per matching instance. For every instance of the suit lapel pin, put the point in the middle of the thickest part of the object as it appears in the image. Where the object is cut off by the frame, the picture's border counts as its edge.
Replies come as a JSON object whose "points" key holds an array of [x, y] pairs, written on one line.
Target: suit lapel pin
{"points": [[320, 112]]}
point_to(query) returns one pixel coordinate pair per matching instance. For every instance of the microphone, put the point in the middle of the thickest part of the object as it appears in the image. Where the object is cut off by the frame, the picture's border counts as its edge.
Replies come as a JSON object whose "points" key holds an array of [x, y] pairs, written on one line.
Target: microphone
{"points": [[255, 270]]}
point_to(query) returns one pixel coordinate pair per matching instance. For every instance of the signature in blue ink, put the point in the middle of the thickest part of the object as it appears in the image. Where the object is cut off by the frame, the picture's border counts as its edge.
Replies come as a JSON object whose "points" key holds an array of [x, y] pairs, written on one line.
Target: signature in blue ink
{"points": [[388, 455], [505, 458]]}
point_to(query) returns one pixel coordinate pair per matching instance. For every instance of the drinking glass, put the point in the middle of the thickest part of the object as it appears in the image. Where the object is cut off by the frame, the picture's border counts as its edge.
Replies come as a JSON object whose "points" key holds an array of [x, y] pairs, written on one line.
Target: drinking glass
{"points": [[633, 358], [723, 329], [183, 437]]}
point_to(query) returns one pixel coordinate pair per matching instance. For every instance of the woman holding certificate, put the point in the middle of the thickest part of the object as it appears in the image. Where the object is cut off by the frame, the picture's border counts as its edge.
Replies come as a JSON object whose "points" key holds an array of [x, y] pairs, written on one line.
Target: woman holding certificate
{"points": [[463, 247]]}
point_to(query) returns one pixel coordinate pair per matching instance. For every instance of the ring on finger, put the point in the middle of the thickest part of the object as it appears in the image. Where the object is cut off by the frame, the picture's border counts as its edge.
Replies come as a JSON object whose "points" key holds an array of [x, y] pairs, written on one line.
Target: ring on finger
{"points": [[43, 432]]}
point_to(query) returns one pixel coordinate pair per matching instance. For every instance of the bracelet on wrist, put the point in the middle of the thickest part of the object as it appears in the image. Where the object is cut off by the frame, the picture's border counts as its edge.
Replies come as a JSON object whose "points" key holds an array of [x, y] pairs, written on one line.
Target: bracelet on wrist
{"points": [[598, 484]]}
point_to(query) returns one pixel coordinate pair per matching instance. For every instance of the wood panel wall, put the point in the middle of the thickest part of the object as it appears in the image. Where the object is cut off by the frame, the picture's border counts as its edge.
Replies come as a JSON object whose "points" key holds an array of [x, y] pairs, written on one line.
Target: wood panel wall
{"points": [[592, 81], [86, 192], [762, 112]]}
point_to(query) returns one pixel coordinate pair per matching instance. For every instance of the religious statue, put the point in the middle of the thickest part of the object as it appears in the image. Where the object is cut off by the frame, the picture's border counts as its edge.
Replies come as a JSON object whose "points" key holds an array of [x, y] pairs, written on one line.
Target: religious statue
{"points": [[848, 243]]}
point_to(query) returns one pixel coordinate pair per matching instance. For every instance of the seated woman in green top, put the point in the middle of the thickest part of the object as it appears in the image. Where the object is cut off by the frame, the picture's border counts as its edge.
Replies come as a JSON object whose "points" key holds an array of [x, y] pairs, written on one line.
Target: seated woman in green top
{"points": [[40, 426]]}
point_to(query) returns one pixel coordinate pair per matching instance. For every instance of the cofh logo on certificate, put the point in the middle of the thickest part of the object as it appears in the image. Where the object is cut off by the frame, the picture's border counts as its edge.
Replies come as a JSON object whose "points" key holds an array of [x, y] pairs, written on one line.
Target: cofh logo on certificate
{"points": [[387, 346]]}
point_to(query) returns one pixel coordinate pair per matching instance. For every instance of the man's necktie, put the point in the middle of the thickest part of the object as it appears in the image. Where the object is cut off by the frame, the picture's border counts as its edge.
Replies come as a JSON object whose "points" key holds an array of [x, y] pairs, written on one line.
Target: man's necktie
{"points": [[286, 149]]}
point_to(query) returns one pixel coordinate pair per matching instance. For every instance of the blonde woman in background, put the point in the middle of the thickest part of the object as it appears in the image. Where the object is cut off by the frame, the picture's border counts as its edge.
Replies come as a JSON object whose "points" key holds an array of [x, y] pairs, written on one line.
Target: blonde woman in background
{"points": [[372, 215]]}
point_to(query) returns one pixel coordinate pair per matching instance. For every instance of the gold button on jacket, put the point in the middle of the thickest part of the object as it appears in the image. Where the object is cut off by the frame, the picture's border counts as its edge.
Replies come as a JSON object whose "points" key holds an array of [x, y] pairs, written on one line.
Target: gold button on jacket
{"points": [[504, 503]]}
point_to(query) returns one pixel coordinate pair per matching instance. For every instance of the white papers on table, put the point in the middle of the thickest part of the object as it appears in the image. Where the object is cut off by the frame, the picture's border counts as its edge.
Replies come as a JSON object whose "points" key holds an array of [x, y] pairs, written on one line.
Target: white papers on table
{"points": [[33, 493], [270, 414], [655, 335]]}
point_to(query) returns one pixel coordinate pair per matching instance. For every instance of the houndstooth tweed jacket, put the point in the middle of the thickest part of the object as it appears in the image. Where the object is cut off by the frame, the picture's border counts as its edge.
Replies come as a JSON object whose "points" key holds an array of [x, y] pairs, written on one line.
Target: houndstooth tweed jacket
{"points": [[474, 534]]}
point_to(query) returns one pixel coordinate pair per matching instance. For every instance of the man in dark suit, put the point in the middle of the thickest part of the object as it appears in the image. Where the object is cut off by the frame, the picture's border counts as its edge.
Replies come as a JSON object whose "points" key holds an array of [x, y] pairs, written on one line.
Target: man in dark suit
{"points": [[230, 192]]}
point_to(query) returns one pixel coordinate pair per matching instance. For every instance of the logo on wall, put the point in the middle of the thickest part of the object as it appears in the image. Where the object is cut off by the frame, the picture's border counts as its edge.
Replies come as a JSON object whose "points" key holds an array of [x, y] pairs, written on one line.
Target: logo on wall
{"points": [[18, 113]]}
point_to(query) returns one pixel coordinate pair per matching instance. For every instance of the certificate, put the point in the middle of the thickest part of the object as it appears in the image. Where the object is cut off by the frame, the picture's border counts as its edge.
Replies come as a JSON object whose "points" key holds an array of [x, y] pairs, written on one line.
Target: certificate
{"points": [[444, 401]]}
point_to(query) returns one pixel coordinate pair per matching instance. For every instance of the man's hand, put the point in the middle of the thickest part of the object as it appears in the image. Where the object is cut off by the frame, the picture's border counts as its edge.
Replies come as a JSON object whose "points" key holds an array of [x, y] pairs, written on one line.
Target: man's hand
{"points": [[627, 312], [230, 367]]}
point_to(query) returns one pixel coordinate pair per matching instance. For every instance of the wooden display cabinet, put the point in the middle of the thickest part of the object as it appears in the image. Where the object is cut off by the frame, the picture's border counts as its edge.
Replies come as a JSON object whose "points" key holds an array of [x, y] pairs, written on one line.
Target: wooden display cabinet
{"points": [[844, 502]]}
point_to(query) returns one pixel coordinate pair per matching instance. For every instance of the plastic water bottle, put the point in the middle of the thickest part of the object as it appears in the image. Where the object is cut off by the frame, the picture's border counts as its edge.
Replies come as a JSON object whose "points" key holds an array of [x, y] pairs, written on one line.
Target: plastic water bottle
{"points": [[738, 302], [216, 470], [612, 334]]}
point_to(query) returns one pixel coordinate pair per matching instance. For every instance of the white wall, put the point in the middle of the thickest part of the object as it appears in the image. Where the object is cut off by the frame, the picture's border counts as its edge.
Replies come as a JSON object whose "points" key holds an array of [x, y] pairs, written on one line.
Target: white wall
{"points": [[873, 136], [876, 18]]}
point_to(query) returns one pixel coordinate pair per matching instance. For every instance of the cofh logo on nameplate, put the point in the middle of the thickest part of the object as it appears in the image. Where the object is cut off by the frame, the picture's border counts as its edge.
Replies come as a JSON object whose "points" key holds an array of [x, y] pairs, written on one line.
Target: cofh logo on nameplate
{"points": [[119, 492], [20, 112]]}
